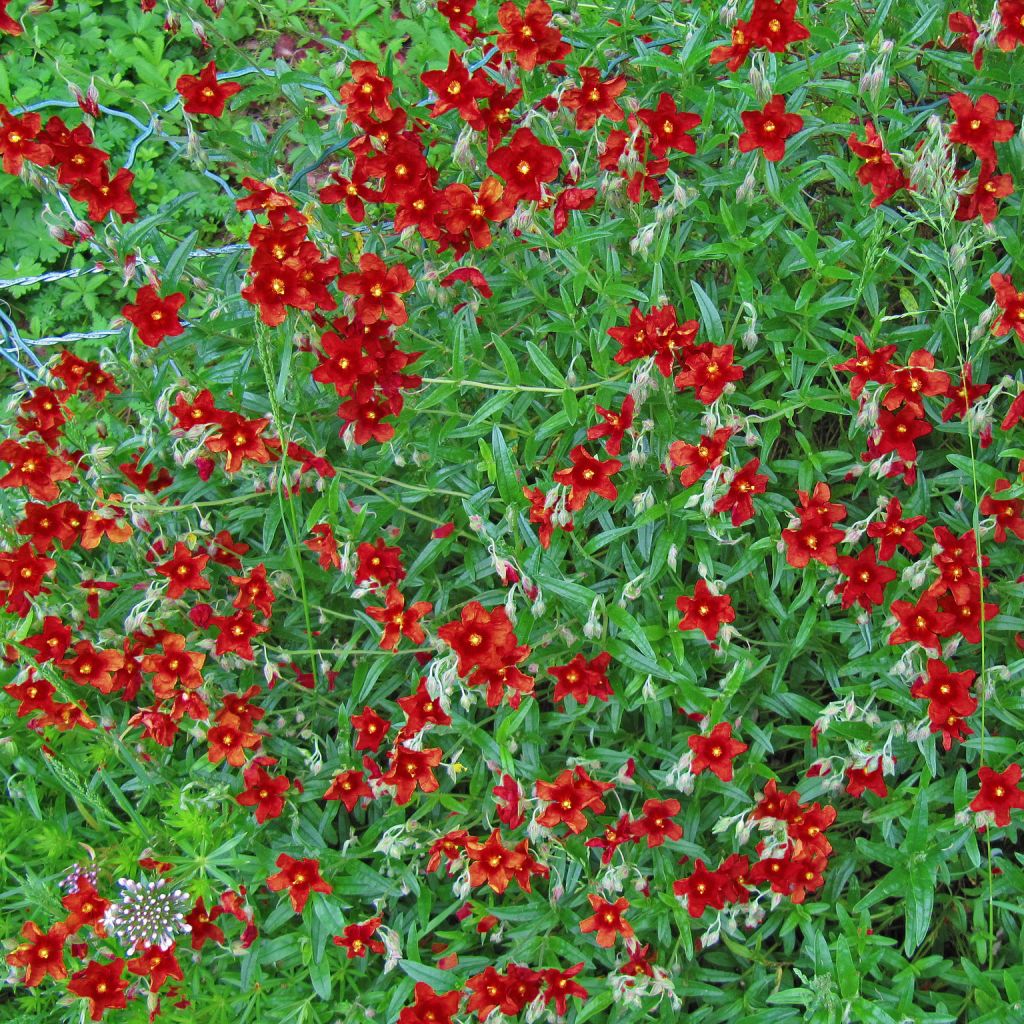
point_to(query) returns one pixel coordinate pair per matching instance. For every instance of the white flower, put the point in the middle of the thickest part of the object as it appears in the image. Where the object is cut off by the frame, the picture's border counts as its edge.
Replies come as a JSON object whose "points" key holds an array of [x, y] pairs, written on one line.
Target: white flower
{"points": [[147, 914]]}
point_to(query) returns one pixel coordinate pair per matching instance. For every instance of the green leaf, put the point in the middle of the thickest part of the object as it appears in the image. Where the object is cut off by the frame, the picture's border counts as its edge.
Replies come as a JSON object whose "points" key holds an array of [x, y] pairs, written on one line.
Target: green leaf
{"points": [[710, 319], [505, 473], [547, 369]]}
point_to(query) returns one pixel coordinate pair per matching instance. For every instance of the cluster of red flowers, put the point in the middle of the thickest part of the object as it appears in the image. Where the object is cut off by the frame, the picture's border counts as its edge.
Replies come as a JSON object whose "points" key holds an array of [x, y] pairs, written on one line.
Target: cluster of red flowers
{"points": [[164, 675], [109, 984], [288, 270], [240, 439], [79, 164], [489, 653], [509, 991]]}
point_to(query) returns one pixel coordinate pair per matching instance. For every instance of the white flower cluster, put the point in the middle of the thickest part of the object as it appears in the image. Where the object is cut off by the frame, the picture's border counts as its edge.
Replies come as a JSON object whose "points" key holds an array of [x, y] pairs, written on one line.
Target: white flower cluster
{"points": [[148, 914]]}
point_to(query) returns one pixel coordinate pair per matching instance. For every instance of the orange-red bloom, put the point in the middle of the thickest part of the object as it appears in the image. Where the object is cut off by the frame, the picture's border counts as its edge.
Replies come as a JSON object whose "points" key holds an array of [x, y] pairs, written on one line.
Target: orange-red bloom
{"points": [[41, 953], [155, 318], [300, 877], [203, 94], [768, 129], [608, 920]]}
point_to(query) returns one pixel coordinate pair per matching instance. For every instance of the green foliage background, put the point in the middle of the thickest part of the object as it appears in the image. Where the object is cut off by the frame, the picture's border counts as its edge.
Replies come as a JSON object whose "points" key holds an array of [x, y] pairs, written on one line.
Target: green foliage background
{"points": [[920, 916]]}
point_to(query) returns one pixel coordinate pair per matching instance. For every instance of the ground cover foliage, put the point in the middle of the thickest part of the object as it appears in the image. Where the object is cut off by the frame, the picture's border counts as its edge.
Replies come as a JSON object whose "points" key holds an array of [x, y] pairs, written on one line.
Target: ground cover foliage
{"points": [[511, 512]]}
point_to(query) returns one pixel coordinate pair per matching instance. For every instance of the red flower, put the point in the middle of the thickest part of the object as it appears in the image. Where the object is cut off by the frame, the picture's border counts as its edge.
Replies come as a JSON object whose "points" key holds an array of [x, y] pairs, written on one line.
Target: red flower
{"points": [[229, 743], [878, 170], [240, 439], [530, 37], [184, 571], [698, 458], [379, 561], [898, 432], [607, 920], [733, 55], [560, 987], [204, 94], [525, 163], [454, 89], [571, 199], [911, 383], [738, 499], [372, 729], [896, 532], [359, 939], [92, 667], [962, 398], [657, 824], [701, 889], [705, 611], [102, 985], [429, 1007], [85, 906], [715, 751], [300, 877], [615, 425], [7, 23], [999, 793], [769, 128], [949, 699], [774, 25], [421, 710], [18, 141], [263, 791], [201, 923], [964, 26], [867, 579], [482, 639], [920, 623], [155, 318], [473, 214], [543, 514], [868, 365], [107, 195], [1008, 513], [583, 679], [352, 192], [509, 802], [859, 779], [571, 793], [41, 954], [594, 98], [323, 543], [368, 92], [471, 276], [587, 475], [669, 127], [489, 990], [983, 201], [411, 769], [158, 965], [33, 467], [1011, 20], [236, 633], [814, 538], [22, 572], [976, 126], [348, 787], [708, 370], [1011, 302], [492, 863], [398, 620], [378, 287]]}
